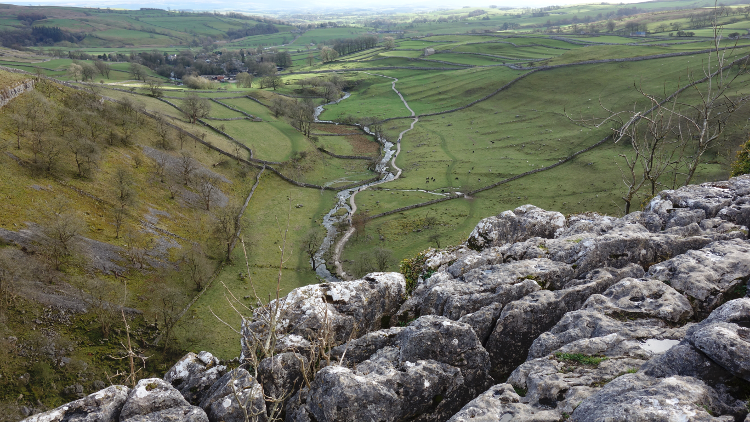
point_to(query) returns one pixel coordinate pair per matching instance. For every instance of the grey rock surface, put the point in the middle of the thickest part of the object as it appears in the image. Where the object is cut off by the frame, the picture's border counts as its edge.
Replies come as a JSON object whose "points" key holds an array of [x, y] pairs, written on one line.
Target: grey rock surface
{"points": [[232, 396], [684, 217], [685, 360], [635, 398], [281, 375], [483, 321], [724, 337], [102, 406], [706, 275], [709, 197], [350, 308], [175, 414], [502, 403], [587, 324], [642, 298], [153, 395], [523, 320], [726, 344], [432, 368], [524, 222], [194, 374], [359, 350], [442, 294], [454, 343]]}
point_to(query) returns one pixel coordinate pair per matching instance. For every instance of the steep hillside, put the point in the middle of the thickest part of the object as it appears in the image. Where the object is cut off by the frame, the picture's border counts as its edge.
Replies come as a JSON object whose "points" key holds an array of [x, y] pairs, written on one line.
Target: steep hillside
{"points": [[536, 317], [105, 210]]}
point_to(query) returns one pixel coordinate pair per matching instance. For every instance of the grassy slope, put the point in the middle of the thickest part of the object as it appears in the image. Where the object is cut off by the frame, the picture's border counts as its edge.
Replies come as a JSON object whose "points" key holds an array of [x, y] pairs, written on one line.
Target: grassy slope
{"points": [[28, 193]]}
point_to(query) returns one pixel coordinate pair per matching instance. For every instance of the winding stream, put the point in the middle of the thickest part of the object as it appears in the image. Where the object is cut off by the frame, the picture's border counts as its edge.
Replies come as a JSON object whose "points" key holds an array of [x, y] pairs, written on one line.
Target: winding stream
{"points": [[345, 198]]}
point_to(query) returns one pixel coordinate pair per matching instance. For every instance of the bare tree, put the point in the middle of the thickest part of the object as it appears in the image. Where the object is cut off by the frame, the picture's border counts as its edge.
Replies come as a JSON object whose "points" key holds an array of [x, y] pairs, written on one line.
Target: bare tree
{"points": [[164, 132], [167, 304], [119, 214], [302, 115], [49, 149], [359, 222], [138, 71], [436, 238], [85, 154], [103, 68], [75, 71], [88, 71], [9, 267], [161, 159], [187, 167], [137, 244], [155, 87], [207, 189], [60, 226], [18, 125], [195, 107], [123, 183], [383, 258], [196, 267], [310, 244], [278, 106], [103, 300], [331, 91], [274, 81], [327, 54], [363, 264], [670, 134], [227, 224], [181, 136]]}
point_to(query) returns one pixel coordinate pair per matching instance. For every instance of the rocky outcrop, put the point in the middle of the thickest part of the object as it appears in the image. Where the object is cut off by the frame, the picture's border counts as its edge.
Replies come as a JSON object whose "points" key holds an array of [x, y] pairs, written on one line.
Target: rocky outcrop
{"points": [[345, 309], [537, 317], [524, 320], [431, 368], [7, 94], [153, 400], [234, 397], [636, 398], [515, 226], [194, 374], [102, 406], [502, 403]]}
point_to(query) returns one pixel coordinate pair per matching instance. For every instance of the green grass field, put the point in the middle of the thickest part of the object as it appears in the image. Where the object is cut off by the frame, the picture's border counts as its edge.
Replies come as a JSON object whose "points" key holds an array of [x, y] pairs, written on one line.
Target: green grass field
{"points": [[265, 221]]}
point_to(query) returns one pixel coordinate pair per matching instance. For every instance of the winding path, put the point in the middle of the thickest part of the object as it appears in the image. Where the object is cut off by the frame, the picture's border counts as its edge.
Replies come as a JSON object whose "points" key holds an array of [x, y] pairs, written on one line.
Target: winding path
{"points": [[340, 245]]}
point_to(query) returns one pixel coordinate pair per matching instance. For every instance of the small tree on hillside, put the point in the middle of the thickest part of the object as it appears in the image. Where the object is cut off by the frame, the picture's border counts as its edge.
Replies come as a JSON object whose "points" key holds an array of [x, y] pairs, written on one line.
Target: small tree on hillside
{"points": [[359, 222], [103, 68], [75, 71], [310, 244], [244, 80], [195, 107], [226, 226]]}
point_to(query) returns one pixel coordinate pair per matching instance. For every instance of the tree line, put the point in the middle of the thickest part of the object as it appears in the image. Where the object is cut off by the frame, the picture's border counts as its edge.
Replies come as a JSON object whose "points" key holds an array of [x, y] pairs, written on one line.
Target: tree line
{"points": [[351, 45], [37, 35]]}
